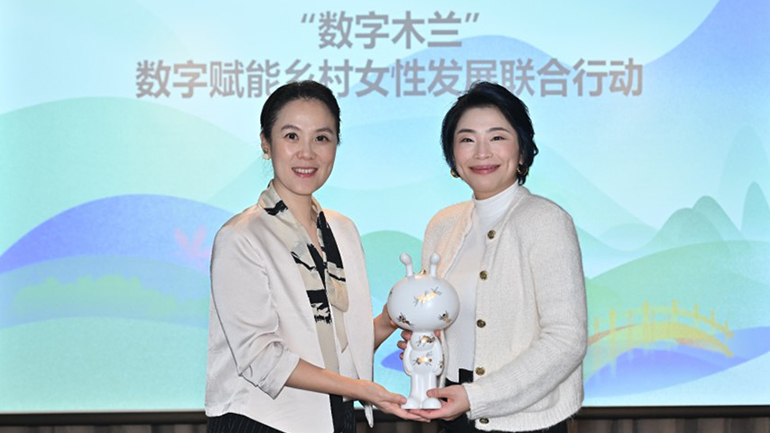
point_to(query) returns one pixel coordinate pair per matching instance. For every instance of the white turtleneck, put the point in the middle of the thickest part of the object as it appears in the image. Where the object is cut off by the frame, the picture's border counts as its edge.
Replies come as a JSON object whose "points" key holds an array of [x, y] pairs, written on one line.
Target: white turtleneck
{"points": [[464, 275]]}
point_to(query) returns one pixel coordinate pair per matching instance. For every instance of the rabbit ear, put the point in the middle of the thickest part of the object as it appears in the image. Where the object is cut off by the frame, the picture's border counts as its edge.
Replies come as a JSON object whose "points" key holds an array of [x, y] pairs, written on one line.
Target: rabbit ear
{"points": [[406, 259], [434, 259]]}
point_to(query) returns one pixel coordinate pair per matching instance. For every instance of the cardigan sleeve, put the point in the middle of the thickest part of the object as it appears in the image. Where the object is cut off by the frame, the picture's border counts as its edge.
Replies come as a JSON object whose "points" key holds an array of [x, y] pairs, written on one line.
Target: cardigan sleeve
{"points": [[559, 287], [246, 313]]}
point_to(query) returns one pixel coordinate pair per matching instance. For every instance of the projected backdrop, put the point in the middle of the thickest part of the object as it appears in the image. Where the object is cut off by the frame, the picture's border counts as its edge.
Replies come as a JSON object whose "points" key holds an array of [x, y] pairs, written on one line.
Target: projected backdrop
{"points": [[129, 134]]}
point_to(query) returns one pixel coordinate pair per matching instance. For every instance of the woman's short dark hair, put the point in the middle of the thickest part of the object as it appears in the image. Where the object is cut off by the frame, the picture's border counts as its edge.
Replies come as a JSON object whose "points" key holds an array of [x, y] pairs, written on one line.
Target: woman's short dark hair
{"points": [[484, 94], [291, 92]]}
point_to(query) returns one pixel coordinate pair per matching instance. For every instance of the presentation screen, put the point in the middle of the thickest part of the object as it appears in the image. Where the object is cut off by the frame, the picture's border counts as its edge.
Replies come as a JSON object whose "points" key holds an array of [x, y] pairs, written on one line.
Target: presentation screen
{"points": [[129, 133]]}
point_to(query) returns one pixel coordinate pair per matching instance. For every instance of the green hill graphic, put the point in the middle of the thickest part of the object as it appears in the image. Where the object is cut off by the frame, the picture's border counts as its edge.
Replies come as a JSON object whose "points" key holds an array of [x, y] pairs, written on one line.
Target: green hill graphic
{"points": [[717, 275], [61, 154], [756, 215]]}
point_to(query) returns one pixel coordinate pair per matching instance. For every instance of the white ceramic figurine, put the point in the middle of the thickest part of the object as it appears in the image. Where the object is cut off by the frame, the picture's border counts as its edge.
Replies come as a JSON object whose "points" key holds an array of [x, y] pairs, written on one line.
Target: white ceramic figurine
{"points": [[423, 303]]}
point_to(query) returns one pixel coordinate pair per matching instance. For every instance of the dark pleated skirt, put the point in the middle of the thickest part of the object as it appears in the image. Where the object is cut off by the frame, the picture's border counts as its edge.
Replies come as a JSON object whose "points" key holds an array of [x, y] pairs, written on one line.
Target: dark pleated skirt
{"points": [[343, 416]]}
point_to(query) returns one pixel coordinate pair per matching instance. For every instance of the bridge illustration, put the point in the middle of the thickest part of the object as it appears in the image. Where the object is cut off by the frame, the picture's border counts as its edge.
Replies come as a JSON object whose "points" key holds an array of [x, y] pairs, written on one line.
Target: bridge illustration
{"points": [[641, 328]]}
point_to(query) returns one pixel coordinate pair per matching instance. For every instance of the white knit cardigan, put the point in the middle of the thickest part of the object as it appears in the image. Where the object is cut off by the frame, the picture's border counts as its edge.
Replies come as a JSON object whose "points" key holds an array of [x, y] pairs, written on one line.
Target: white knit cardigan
{"points": [[530, 311]]}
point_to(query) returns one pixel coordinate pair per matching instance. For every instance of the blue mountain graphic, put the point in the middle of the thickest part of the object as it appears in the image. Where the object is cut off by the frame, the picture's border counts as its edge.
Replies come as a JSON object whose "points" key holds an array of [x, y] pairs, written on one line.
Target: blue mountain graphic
{"points": [[162, 228]]}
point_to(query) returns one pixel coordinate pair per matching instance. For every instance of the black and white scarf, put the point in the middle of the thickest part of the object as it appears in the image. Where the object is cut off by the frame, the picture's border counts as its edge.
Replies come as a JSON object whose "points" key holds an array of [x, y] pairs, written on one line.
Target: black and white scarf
{"points": [[322, 272]]}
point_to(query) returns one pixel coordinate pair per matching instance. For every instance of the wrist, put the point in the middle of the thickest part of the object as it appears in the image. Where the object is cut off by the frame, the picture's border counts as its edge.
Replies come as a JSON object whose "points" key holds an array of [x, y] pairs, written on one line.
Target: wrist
{"points": [[382, 321], [361, 388], [382, 328], [466, 399]]}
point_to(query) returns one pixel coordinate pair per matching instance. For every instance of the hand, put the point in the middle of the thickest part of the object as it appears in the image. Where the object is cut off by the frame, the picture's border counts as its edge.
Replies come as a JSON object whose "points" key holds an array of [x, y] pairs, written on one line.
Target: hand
{"points": [[406, 335], [384, 318], [455, 405], [385, 313], [387, 401], [383, 327]]}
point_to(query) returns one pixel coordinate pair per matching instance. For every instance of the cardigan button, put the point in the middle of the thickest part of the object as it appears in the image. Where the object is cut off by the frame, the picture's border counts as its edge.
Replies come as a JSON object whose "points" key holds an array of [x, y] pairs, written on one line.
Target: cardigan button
{"points": [[484, 420], [480, 371], [483, 275], [491, 234], [480, 323]]}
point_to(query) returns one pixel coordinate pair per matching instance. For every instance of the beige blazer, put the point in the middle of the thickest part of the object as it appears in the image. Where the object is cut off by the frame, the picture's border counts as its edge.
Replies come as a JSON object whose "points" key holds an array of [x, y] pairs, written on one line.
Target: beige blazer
{"points": [[261, 324]]}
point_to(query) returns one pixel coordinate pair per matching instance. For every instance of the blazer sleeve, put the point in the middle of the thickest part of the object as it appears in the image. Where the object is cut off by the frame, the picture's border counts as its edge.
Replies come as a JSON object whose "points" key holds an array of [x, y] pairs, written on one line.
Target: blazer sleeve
{"points": [[246, 312], [559, 286]]}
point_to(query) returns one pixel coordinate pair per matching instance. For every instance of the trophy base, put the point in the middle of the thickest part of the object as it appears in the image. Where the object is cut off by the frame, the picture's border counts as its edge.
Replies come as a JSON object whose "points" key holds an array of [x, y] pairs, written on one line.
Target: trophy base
{"points": [[428, 403], [431, 403]]}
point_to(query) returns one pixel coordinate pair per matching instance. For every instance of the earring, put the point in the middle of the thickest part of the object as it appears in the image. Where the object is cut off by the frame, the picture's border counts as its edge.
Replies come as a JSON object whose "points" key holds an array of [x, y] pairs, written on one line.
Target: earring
{"points": [[521, 170], [265, 156], [453, 172]]}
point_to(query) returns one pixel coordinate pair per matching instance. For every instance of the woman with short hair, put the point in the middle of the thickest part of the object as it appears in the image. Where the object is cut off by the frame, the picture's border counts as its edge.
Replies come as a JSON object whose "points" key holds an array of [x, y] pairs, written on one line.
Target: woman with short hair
{"points": [[514, 354]]}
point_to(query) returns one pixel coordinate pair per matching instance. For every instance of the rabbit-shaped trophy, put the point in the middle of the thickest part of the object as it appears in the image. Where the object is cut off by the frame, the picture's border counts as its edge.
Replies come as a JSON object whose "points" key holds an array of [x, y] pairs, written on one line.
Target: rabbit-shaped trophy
{"points": [[423, 303]]}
